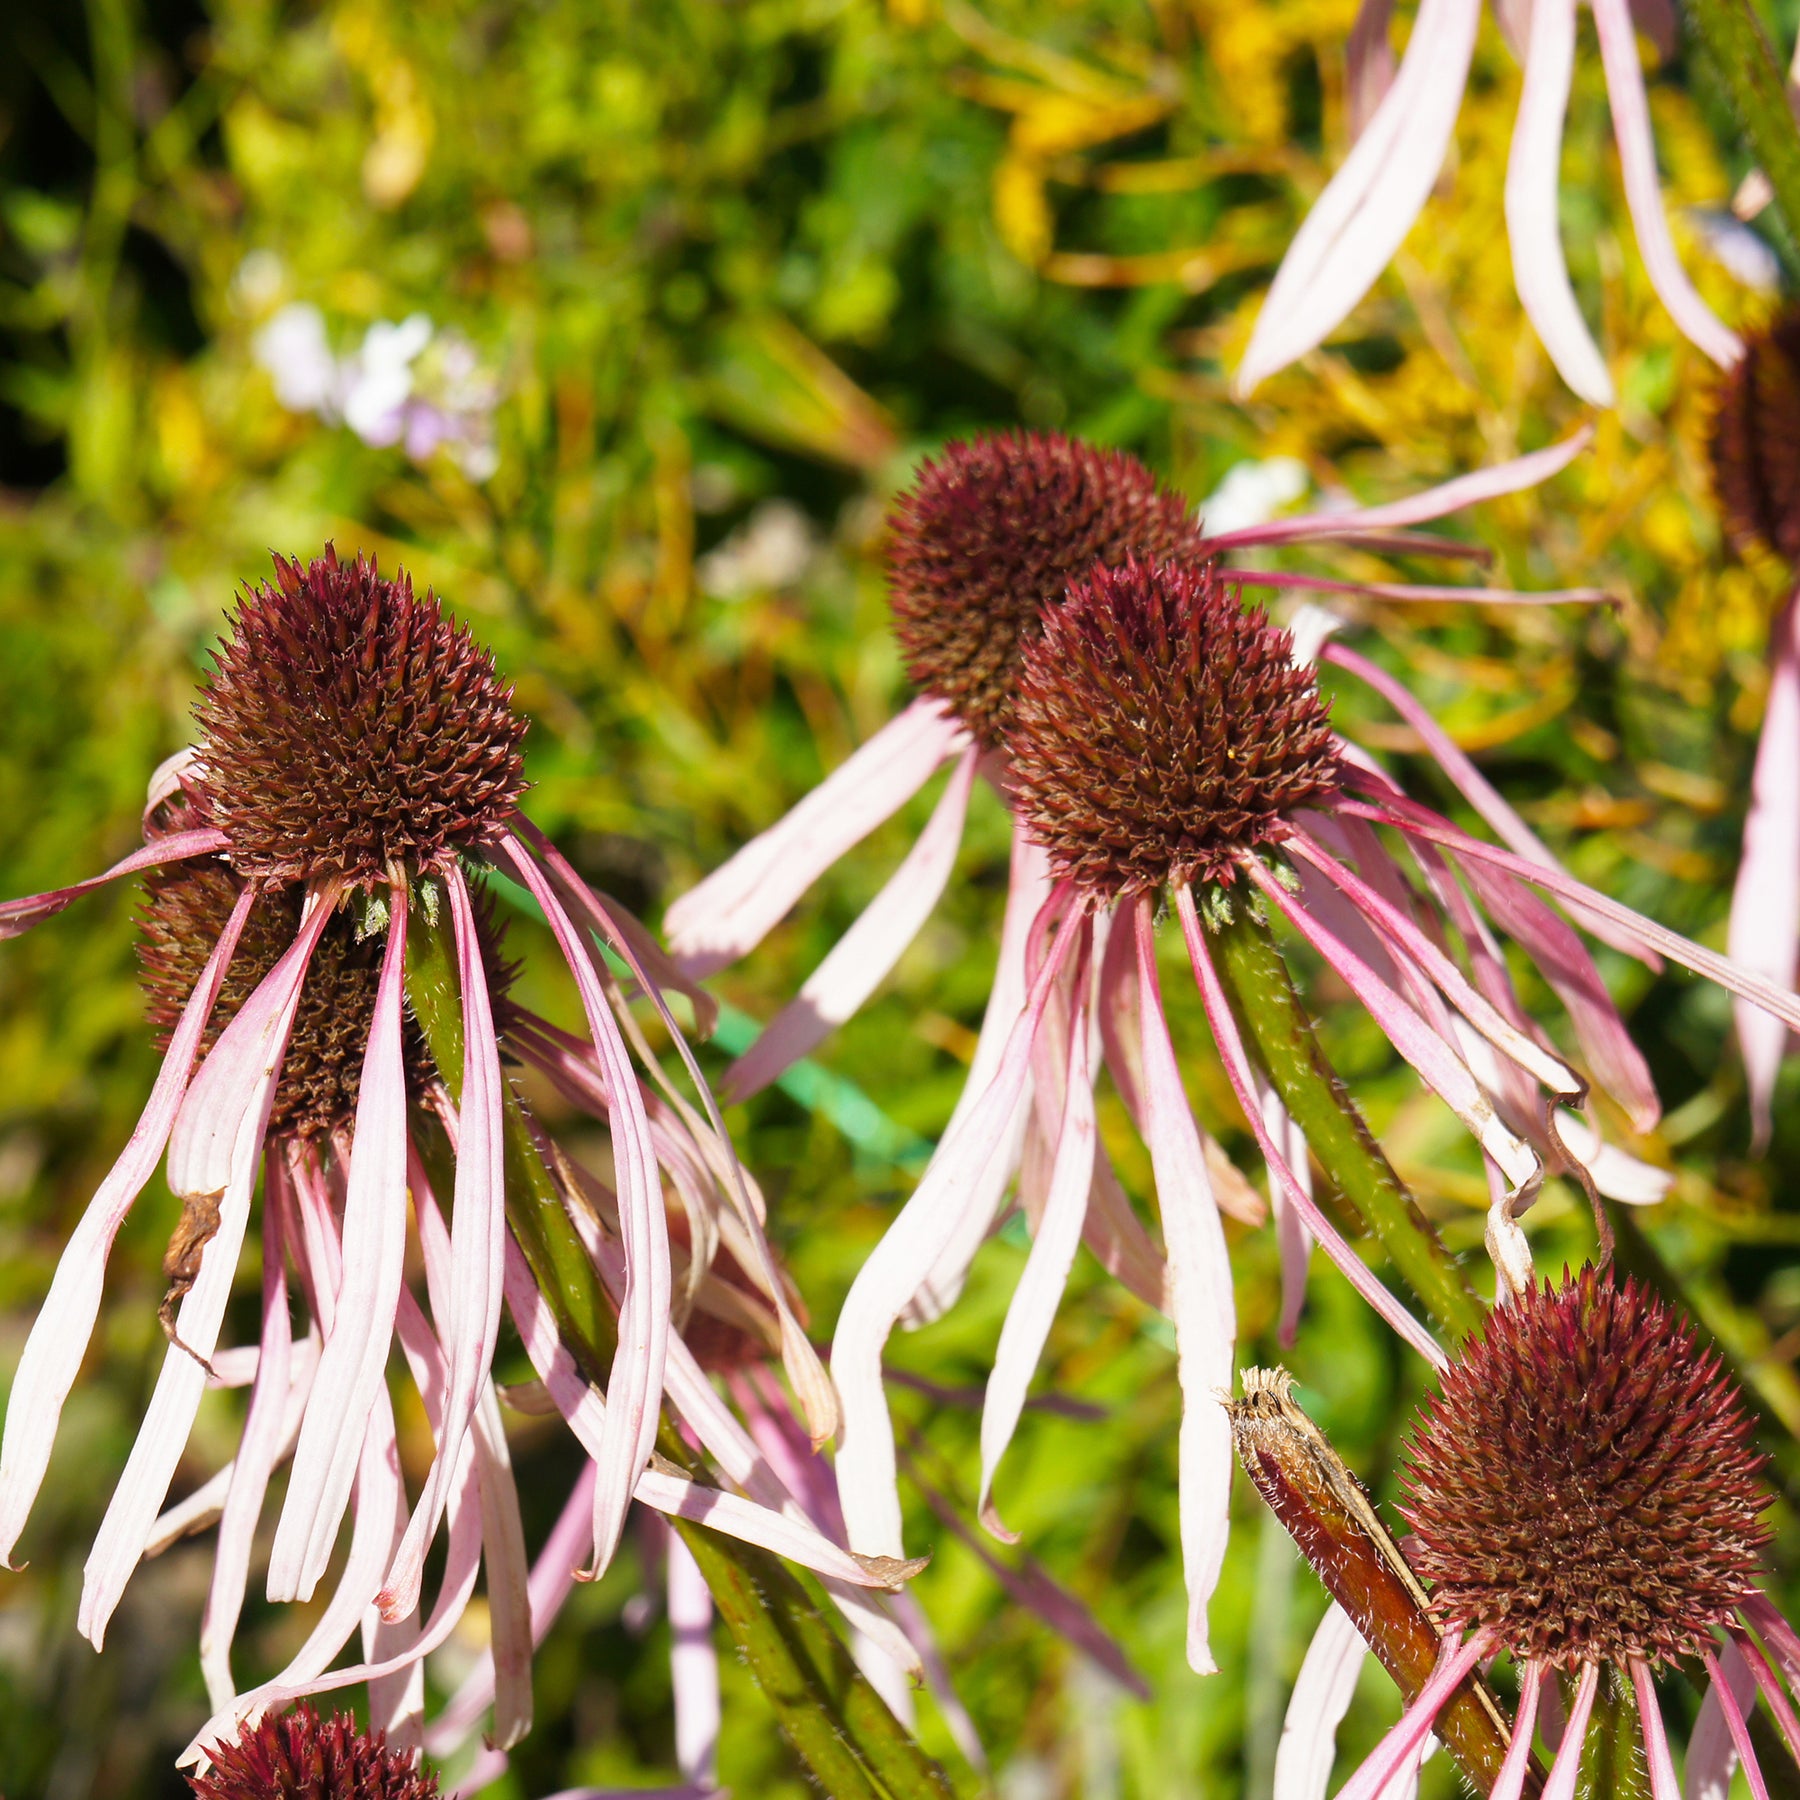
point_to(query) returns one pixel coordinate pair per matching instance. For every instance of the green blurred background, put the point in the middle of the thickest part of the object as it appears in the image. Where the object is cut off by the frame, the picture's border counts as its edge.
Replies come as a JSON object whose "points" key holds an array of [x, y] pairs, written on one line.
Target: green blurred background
{"points": [[724, 271]]}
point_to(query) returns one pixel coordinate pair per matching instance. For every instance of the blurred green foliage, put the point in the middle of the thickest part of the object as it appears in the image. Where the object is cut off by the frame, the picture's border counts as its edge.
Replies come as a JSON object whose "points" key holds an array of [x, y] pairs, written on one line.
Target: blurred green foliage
{"points": [[733, 268]]}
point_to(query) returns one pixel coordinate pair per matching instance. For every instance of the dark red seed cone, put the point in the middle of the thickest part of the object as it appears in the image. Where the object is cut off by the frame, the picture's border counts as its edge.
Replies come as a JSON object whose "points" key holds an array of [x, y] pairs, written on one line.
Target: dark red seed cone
{"points": [[350, 728], [1584, 1481], [986, 542], [303, 1757], [1160, 730], [1756, 441]]}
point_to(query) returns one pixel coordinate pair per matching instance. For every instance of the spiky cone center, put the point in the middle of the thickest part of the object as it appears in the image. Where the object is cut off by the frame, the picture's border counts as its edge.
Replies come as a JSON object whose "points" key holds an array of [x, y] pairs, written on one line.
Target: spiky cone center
{"points": [[1161, 731], [986, 542], [1756, 440], [300, 1756], [185, 911], [349, 728], [1583, 1484]]}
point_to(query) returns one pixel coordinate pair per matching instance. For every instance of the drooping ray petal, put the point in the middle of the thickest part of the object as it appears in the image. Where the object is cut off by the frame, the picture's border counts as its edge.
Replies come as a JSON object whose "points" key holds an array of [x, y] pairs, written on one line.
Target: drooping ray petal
{"points": [[1567, 1767], [1200, 1287], [863, 956], [1481, 794], [1040, 1289], [634, 1390], [355, 1356], [1663, 1785], [1417, 591], [734, 908], [1731, 1705], [1402, 1743], [65, 1323], [1358, 223], [1765, 903], [693, 1668], [1643, 191], [214, 1152], [1770, 1684], [903, 1259], [1293, 1242], [1510, 1782], [1712, 1754], [1237, 1068], [1368, 64], [1533, 172], [1366, 524], [1322, 1694], [471, 1325], [18, 916], [1782, 1640]]}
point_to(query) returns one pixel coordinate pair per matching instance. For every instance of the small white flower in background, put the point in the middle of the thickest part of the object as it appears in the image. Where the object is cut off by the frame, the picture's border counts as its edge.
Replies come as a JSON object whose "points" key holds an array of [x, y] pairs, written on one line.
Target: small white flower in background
{"points": [[379, 379], [293, 348], [1736, 248], [769, 550], [1252, 493]]}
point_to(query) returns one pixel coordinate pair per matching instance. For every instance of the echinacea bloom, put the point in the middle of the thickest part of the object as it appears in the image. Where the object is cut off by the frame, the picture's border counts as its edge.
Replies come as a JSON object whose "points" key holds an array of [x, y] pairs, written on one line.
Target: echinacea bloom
{"points": [[358, 759], [1164, 740], [1756, 471], [301, 1756], [1583, 1497], [1365, 212]]}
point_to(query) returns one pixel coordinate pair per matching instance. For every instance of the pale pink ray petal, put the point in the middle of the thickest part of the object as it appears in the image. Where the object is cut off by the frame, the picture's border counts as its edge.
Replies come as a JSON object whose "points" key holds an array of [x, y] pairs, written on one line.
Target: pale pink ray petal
{"points": [[1770, 1684], [257, 1448], [1365, 524], [963, 1732], [862, 958], [634, 1390], [1509, 1784], [1402, 1743], [396, 1700], [912, 1245], [471, 1324], [1418, 591], [1663, 1785], [1732, 1706], [18, 916], [1712, 1748], [1293, 1242], [1533, 176], [1204, 1309], [1643, 191], [1237, 1069], [693, 1668], [1481, 794], [1116, 1235], [1368, 64], [1322, 1694], [1040, 1290], [65, 1323], [164, 784], [1780, 1637], [1358, 223], [354, 1359], [552, 1581], [1765, 903], [735, 907], [1028, 887], [1418, 821]]}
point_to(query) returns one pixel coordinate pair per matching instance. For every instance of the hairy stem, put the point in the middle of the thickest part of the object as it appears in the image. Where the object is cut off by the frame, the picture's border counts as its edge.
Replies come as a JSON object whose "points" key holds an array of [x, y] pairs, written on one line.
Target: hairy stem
{"points": [[1745, 67]]}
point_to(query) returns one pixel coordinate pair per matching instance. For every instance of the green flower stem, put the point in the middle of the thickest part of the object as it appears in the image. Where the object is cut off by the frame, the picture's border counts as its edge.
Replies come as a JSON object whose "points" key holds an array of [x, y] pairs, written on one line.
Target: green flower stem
{"points": [[1280, 1034], [1616, 1767], [840, 1728], [1746, 68]]}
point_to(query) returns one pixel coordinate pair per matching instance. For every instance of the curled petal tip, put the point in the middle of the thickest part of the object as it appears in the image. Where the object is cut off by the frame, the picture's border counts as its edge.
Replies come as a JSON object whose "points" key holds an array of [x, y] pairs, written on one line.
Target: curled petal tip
{"points": [[994, 1525]]}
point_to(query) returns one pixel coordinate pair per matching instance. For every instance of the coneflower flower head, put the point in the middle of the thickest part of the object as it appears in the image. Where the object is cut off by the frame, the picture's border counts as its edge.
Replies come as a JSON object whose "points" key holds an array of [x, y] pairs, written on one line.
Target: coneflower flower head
{"points": [[351, 729], [1161, 730], [300, 1756], [986, 542], [1583, 1482], [1756, 440]]}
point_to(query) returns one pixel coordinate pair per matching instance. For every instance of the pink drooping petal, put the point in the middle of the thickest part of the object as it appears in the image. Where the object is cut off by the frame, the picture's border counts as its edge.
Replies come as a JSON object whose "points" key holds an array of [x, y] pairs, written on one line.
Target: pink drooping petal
{"points": [[1567, 1767], [257, 1449], [1028, 887], [1372, 526], [693, 1668], [1418, 591], [1418, 821], [354, 1359], [1116, 1235], [18, 916], [962, 1728], [1712, 1753], [1322, 1694], [1046, 1274], [1368, 64], [862, 958], [214, 1152], [1204, 1309], [1643, 191], [1732, 1703], [552, 1581], [65, 1323], [1293, 1242], [958, 1175], [1509, 1784], [1663, 1785], [1403, 1742], [1782, 1640], [1237, 1068], [477, 1249], [1765, 904], [634, 1390], [1482, 795], [1533, 176], [734, 908], [1358, 223], [1770, 1684]]}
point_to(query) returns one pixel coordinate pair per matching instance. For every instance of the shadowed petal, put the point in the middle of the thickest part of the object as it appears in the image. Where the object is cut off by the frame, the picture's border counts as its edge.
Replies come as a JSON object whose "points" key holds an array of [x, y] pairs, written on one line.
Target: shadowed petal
{"points": [[1712, 1745], [18, 916], [1322, 1694], [1403, 1742]]}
